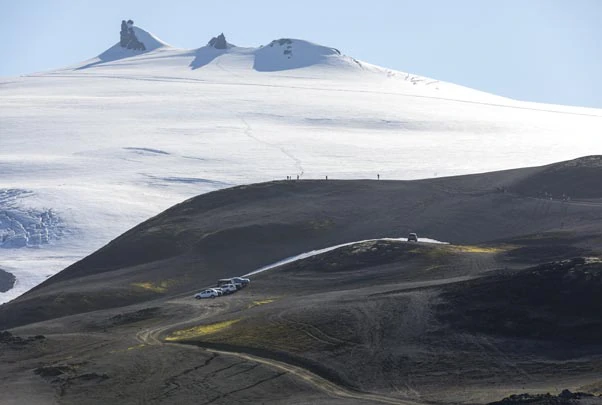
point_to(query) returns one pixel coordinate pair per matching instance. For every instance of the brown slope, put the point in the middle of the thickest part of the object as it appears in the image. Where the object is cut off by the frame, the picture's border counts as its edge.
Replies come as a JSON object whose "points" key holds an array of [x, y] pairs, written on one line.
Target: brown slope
{"points": [[234, 231]]}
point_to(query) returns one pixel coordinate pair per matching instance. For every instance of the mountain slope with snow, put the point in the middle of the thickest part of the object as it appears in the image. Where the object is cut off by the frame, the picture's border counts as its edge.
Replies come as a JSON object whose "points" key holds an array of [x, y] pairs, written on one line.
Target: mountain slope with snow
{"points": [[117, 51], [91, 150]]}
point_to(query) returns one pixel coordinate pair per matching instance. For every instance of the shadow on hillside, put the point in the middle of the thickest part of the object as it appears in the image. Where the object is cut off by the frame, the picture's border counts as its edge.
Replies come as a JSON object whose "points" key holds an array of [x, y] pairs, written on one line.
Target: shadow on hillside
{"points": [[111, 55], [204, 56]]}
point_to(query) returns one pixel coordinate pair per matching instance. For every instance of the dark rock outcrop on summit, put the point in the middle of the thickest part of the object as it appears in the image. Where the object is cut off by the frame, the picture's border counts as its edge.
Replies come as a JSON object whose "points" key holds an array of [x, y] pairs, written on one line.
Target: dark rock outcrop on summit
{"points": [[128, 38], [7, 281], [214, 48], [219, 42]]}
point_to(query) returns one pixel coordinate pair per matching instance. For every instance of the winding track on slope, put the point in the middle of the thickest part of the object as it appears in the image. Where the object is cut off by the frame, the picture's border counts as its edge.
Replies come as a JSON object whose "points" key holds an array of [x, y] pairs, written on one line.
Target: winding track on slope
{"points": [[322, 384], [153, 337]]}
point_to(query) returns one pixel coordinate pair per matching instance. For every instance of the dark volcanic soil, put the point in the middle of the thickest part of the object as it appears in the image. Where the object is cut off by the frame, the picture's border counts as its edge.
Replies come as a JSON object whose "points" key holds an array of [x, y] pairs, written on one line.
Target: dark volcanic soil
{"points": [[573, 179], [237, 230], [7, 280], [558, 301], [511, 306], [566, 397]]}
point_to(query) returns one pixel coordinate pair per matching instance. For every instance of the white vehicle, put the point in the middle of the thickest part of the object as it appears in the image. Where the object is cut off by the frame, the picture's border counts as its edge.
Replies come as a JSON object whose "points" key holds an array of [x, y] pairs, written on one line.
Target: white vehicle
{"points": [[244, 281], [224, 281], [218, 290], [206, 294], [229, 288]]}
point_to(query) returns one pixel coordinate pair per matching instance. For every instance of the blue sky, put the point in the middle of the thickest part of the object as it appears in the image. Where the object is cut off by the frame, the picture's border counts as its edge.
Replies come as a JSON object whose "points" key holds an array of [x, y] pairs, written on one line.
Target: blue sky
{"points": [[537, 50]]}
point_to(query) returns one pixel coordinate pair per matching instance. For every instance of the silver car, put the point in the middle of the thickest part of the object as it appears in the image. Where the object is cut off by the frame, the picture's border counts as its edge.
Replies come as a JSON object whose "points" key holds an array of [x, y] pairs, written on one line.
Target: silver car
{"points": [[206, 294]]}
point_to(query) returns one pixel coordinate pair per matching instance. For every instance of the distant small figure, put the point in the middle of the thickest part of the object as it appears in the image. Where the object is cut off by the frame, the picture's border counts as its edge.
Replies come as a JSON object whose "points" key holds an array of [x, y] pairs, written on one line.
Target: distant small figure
{"points": [[297, 177], [326, 177], [378, 177]]}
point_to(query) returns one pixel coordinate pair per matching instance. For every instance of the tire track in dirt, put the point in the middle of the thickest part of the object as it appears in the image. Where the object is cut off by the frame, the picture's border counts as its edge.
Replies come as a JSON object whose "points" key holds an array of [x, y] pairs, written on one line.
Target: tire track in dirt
{"points": [[153, 337], [311, 330], [318, 382]]}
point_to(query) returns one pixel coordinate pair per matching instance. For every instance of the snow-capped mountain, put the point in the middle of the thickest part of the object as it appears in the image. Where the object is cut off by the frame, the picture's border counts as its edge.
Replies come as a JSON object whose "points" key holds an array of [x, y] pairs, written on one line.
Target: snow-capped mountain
{"points": [[91, 150], [134, 41]]}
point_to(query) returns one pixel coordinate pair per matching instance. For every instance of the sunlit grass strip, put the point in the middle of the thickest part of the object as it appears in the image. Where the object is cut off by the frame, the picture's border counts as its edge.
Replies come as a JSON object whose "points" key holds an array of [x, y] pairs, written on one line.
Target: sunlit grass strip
{"points": [[159, 287], [441, 251], [477, 249], [201, 330], [261, 302]]}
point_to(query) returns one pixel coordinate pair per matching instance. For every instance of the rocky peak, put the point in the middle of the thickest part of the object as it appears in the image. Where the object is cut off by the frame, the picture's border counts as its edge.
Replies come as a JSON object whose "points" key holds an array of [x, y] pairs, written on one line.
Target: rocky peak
{"points": [[128, 38], [219, 42]]}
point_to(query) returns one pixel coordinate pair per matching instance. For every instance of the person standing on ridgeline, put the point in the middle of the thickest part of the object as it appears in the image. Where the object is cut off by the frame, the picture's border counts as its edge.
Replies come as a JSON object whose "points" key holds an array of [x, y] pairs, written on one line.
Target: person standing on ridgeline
{"points": [[378, 177]]}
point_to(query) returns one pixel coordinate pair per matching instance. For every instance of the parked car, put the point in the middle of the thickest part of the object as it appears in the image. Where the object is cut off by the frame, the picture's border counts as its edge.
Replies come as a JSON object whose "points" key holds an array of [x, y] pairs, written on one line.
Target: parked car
{"points": [[241, 280], [218, 290], [412, 237], [224, 281], [229, 288], [206, 294]]}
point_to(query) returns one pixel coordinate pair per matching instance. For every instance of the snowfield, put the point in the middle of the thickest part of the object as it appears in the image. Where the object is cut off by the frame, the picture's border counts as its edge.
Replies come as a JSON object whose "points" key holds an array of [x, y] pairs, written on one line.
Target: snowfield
{"points": [[331, 248], [89, 151]]}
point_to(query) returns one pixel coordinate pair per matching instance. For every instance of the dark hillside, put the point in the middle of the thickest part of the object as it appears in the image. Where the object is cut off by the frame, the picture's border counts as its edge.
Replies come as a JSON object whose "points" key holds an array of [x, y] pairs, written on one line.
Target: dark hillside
{"points": [[575, 179], [237, 230]]}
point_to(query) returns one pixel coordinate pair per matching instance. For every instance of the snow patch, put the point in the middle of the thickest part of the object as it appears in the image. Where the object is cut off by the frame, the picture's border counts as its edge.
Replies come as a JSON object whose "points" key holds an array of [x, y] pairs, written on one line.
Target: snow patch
{"points": [[428, 240], [150, 41], [305, 255]]}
